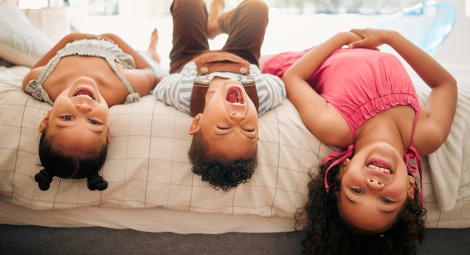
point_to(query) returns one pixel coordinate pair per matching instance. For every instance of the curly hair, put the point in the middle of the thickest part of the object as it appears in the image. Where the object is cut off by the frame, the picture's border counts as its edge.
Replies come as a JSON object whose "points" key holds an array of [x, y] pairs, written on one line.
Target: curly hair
{"points": [[56, 163], [327, 233], [218, 173]]}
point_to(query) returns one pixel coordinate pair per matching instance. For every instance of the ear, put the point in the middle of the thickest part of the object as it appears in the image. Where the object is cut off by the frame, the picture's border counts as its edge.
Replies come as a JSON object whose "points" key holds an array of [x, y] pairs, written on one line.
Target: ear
{"points": [[195, 125], [411, 186], [43, 124], [344, 166]]}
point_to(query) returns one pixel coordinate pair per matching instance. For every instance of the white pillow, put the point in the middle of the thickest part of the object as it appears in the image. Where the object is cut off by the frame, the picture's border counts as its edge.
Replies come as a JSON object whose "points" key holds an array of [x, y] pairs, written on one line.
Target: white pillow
{"points": [[53, 22], [20, 42]]}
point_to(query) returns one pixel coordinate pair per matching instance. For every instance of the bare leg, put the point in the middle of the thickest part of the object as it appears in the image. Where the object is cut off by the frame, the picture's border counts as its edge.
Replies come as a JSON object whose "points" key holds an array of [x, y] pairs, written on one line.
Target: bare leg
{"points": [[215, 9], [152, 49]]}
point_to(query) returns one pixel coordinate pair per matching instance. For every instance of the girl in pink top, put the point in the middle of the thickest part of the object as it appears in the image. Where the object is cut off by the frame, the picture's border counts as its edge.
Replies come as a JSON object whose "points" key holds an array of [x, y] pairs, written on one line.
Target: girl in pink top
{"points": [[362, 100]]}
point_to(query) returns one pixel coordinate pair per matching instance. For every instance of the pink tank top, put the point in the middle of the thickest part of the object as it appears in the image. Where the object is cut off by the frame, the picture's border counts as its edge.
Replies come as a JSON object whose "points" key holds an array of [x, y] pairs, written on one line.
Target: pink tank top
{"points": [[360, 83]]}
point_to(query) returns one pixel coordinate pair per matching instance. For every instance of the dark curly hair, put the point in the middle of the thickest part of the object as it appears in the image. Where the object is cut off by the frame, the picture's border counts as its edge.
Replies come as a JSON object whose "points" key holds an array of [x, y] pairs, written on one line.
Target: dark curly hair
{"points": [[328, 233], [56, 163], [220, 174]]}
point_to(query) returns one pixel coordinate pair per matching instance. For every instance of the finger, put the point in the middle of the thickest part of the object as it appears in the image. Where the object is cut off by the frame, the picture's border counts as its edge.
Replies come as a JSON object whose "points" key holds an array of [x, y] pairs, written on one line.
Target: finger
{"points": [[357, 44], [107, 39], [359, 32]]}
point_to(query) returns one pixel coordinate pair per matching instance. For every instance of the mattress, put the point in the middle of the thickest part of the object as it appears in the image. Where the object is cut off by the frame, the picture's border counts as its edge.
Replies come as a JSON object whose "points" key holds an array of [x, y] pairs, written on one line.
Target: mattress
{"points": [[151, 186]]}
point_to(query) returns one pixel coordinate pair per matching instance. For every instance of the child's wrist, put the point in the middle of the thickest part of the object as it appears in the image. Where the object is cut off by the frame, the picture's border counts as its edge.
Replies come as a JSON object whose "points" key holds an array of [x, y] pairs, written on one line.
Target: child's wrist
{"points": [[343, 37]]}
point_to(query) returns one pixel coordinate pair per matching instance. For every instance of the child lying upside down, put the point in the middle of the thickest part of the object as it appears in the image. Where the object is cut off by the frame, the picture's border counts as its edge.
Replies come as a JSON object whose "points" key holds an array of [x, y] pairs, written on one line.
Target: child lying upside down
{"points": [[223, 90], [366, 199], [81, 76]]}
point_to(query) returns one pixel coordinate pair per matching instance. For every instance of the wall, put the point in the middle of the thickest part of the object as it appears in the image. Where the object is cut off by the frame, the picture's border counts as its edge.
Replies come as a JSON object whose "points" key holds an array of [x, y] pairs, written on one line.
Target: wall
{"points": [[456, 49]]}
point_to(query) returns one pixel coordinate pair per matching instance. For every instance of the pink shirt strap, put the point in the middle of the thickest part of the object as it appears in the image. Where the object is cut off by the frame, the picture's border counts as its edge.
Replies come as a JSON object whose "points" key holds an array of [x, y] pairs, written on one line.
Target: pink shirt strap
{"points": [[412, 153], [342, 156]]}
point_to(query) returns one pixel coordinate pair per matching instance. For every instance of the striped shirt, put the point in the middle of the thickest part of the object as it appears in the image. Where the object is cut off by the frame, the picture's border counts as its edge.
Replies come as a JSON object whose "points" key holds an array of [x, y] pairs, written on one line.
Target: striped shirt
{"points": [[175, 89]]}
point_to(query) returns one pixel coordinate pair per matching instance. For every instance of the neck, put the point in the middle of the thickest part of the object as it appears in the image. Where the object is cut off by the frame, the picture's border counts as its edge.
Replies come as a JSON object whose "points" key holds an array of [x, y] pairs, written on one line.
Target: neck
{"points": [[377, 130]]}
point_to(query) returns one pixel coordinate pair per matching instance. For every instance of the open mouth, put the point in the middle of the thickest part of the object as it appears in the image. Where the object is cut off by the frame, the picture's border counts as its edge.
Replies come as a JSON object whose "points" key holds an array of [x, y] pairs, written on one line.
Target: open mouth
{"points": [[235, 95], [84, 92], [380, 167]]}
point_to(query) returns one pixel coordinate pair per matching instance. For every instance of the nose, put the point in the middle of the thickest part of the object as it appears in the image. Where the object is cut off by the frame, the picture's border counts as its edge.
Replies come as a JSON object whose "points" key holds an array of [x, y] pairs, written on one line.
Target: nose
{"points": [[374, 183], [83, 107], [237, 116]]}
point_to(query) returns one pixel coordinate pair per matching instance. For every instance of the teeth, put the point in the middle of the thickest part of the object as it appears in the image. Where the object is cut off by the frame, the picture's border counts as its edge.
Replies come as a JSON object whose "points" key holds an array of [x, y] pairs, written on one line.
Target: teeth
{"points": [[85, 95], [381, 169]]}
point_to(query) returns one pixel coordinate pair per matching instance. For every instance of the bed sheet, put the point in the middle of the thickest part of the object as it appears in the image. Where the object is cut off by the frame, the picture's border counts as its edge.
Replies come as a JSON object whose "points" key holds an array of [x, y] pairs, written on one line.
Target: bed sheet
{"points": [[147, 167]]}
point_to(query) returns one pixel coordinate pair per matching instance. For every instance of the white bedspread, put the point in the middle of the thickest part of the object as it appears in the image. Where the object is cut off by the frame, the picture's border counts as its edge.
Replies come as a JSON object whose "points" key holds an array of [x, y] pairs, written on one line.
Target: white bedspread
{"points": [[450, 164], [148, 167], [147, 164]]}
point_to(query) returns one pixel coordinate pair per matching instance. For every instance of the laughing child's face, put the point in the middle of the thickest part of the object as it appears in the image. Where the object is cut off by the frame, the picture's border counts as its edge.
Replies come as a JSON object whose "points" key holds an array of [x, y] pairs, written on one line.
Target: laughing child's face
{"points": [[77, 124], [229, 122], [374, 187]]}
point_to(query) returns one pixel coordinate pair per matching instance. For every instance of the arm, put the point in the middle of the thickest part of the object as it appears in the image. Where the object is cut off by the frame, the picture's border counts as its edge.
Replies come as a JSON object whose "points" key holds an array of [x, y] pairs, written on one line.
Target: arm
{"points": [[271, 92], [140, 62], [175, 90], [142, 80], [436, 118], [68, 38], [321, 118], [37, 69]]}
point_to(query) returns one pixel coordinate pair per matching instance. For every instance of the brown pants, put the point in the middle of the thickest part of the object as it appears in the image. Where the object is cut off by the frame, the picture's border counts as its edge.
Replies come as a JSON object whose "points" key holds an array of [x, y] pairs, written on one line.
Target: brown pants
{"points": [[245, 25]]}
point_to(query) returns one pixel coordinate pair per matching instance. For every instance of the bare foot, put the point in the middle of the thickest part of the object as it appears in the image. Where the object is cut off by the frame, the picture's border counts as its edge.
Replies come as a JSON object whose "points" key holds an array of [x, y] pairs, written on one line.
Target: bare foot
{"points": [[215, 9], [152, 49]]}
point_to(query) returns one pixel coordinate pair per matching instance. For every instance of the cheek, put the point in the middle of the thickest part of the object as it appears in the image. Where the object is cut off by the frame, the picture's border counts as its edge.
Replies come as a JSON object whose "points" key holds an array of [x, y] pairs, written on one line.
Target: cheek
{"points": [[351, 177], [252, 116], [399, 189], [103, 112]]}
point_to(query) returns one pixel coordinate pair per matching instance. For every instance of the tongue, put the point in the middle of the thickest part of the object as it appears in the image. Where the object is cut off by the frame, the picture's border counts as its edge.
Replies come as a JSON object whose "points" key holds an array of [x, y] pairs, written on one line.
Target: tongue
{"points": [[232, 97]]}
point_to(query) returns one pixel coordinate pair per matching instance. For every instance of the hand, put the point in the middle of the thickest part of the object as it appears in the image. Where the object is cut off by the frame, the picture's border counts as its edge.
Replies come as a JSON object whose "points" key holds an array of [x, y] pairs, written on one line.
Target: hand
{"points": [[351, 37], [370, 38], [81, 36], [104, 37]]}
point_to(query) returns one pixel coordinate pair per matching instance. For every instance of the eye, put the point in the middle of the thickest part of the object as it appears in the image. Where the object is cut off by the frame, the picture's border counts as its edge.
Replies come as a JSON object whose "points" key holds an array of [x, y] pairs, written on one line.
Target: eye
{"points": [[67, 117], [249, 130], [386, 200], [357, 190], [222, 128], [94, 122]]}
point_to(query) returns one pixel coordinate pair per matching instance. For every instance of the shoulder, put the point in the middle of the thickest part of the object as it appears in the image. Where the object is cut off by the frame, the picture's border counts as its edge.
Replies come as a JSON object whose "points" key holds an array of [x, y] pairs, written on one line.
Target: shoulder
{"points": [[33, 74]]}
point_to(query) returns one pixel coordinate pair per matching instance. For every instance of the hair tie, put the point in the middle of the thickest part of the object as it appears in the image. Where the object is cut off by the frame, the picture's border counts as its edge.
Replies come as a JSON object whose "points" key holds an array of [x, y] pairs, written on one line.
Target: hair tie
{"points": [[96, 182], [44, 179]]}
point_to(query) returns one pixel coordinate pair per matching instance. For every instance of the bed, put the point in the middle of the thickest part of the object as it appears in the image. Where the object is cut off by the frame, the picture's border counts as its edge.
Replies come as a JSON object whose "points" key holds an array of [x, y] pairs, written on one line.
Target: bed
{"points": [[151, 187]]}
